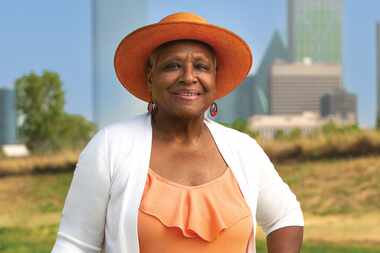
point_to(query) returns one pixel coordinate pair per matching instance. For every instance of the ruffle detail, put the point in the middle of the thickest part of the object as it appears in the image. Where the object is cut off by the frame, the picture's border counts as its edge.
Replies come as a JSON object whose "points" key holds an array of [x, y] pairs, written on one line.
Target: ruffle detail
{"points": [[202, 211]]}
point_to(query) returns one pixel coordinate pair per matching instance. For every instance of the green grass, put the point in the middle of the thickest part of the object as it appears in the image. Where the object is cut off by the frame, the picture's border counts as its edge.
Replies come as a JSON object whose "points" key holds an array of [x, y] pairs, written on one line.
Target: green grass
{"points": [[41, 240], [23, 240], [313, 247]]}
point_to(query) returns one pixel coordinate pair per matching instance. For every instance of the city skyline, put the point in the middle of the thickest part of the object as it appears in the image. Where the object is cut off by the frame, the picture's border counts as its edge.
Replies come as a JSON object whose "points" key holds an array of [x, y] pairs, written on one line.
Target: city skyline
{"points": [[60, 41], [315, 30]]}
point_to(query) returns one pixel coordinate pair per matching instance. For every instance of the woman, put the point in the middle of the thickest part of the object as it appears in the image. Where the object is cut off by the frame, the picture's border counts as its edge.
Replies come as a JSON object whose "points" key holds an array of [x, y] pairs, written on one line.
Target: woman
{"points": [[173, 180]]}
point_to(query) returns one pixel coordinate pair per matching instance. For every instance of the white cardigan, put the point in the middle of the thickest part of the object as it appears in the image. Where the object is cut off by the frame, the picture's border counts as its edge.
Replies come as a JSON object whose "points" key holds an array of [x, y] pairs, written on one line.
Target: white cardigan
{"points": [[101, 207]]}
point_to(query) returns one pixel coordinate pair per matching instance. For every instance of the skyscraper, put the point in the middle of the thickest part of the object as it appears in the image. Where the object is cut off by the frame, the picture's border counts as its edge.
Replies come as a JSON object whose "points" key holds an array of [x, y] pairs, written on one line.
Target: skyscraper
{"points": [[275, 50], [8, 118], [378, 73], [298, 87], [314, 30], [339, 104], [112, 20]]}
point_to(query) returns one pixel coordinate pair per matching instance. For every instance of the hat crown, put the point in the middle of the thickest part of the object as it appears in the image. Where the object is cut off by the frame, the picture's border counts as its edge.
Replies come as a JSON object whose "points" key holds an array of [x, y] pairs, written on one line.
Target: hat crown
{"points": [[183, 17]]}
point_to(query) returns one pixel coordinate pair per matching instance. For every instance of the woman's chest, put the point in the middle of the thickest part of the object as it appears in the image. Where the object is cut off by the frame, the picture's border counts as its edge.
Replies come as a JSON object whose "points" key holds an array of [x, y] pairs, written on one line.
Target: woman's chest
{"points": [[192, 166]]}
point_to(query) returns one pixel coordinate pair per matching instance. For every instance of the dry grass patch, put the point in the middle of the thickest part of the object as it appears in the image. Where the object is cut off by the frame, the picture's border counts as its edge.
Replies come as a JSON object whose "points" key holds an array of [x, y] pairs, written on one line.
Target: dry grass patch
{"points": [[336, 187], [27, 201], [339, 145], [348, 229], [56, 162]]}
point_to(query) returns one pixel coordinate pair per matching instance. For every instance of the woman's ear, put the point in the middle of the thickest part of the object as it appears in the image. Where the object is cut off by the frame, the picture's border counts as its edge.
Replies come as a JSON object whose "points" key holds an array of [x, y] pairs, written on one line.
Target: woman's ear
{"points": [[148, 76]]}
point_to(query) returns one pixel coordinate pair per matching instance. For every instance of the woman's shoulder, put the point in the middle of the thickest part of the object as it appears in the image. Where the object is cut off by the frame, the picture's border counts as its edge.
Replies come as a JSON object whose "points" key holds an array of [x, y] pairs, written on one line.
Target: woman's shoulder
{"points": [[130, 126], [119, 134]]}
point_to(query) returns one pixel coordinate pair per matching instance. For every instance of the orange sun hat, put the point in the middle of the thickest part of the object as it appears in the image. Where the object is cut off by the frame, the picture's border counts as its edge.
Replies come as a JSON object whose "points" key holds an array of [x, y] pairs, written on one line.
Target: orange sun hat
{"points": [[233, 55]]}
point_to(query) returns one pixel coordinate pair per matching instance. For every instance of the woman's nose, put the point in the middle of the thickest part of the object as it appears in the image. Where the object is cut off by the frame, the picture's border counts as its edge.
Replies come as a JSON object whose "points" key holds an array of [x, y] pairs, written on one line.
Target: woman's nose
{"points": [[189, 74]]}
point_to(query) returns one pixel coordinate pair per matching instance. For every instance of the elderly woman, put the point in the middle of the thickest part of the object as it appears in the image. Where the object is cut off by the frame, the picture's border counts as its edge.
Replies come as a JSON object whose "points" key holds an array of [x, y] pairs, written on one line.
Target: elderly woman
{"points": [[173, 180]]}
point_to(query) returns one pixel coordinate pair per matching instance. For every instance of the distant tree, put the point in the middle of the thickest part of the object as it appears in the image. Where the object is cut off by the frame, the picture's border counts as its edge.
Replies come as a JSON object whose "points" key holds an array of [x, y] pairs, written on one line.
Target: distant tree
{"points": [[240, 125], [329, 128], [279, 134], [378, 123], [75, 131], [45, 126], [295, 133], [40, 103], [332, 128], [243, 126]]}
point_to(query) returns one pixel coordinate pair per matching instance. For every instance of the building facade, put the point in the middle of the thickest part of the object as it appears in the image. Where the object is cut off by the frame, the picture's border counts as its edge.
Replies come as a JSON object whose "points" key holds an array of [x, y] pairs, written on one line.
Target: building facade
{"points": [[339, 104], [314, 30], [8, 116], [268, 125], [298, 87], [112, 20]]}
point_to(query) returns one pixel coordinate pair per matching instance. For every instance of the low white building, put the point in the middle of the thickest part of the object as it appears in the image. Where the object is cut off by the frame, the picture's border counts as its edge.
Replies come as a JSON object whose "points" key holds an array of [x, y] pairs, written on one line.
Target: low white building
{"points": [[307, 122], [14, 150]]}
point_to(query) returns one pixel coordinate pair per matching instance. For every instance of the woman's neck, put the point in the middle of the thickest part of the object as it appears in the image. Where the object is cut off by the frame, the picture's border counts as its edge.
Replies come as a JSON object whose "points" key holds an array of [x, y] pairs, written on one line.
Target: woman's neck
{"points": [[174, 129]]}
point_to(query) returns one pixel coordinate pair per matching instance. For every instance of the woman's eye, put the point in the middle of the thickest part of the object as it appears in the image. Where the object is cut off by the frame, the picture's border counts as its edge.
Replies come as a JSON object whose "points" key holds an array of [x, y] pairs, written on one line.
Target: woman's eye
{"points": [[172, 66], [202, 66]]}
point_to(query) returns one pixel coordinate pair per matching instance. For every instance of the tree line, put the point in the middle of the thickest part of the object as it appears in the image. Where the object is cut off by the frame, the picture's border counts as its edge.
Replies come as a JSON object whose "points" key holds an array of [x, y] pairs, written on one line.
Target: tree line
{"points": [[43, 125]]}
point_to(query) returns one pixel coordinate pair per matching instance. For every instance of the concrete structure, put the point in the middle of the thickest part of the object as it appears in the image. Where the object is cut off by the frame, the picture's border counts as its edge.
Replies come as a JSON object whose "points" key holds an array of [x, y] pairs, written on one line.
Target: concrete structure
{"points": [[112, 20], [14, 150], [298, 87], [340, 105], [314, 30], [378, 73], [8, 116], [260, 90], [268, 125], [238, 104]]}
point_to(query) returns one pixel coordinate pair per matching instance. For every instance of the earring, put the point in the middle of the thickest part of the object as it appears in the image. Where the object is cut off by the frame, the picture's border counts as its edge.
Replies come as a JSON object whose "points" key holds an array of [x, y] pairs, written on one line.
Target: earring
{"points": [[213, 109], [152, 107]]}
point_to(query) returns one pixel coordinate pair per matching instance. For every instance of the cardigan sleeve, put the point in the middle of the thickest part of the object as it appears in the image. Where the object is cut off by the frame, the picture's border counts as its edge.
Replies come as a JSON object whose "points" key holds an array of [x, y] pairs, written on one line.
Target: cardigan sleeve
{"points": [[83, 218], [277, 205]]}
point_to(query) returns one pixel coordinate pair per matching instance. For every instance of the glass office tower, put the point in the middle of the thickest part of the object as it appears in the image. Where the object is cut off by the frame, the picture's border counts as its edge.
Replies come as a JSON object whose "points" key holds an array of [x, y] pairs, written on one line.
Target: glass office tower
{"points": [[112, 20], [276, 50], [8, 116], [378, 72], [314, 30]]}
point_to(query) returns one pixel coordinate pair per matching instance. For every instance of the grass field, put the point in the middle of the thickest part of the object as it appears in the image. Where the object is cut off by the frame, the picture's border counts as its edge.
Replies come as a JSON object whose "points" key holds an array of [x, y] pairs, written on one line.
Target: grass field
{"points": [[341, 200]]}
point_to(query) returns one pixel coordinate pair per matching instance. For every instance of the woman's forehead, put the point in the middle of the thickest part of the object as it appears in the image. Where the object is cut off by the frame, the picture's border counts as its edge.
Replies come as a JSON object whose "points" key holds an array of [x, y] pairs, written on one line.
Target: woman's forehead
{"points": [[179, 46]]}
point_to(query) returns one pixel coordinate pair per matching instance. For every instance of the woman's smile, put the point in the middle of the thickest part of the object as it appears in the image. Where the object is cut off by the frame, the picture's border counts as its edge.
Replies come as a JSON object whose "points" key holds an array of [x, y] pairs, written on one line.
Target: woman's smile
{"points": [[186, 94]]}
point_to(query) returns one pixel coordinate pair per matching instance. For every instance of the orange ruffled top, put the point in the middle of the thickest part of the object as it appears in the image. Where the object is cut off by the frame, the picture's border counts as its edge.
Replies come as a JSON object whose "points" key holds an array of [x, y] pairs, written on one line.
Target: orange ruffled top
{"points": [[211, 217]]}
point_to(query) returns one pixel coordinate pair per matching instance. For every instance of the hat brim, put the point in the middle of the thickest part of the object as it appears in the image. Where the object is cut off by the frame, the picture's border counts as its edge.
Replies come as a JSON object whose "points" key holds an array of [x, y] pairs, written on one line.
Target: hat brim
{"points": [[234, 57]]}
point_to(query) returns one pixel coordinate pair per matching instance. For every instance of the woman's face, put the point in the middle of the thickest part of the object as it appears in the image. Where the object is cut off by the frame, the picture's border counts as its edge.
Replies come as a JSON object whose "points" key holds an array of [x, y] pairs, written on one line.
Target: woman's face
{"points": [[182, 78]]}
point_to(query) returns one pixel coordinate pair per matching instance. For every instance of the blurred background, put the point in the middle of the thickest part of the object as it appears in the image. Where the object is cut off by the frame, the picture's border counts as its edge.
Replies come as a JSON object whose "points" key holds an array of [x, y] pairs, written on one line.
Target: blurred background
{"points": [[312, 100]]}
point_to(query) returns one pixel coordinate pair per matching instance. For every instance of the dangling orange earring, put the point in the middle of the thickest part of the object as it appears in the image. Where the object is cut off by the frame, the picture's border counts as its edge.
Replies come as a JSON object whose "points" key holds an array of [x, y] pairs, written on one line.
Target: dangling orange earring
{"points": [[213, 109]]}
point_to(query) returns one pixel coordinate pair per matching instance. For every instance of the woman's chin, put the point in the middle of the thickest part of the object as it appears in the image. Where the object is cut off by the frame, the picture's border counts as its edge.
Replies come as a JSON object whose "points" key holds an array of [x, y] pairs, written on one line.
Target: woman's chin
{"points": [[189, 114]]}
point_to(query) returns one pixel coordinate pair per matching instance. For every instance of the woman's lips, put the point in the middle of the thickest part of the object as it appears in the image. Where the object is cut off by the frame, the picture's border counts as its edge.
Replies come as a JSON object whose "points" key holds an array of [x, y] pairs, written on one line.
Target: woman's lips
{"points": [[187, 95]]}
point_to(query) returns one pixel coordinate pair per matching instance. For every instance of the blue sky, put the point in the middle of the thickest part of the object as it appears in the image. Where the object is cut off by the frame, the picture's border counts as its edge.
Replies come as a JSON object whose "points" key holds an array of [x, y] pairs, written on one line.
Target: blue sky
{"points": [[56, 35]]}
